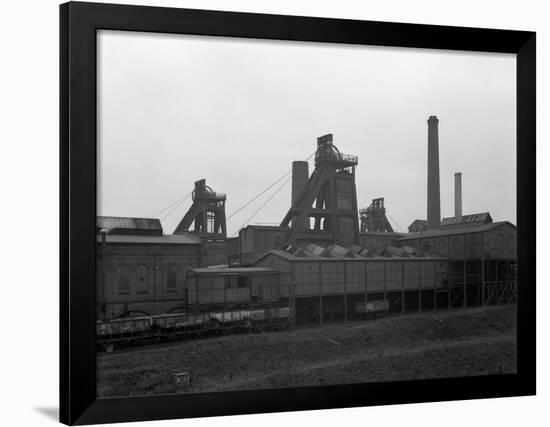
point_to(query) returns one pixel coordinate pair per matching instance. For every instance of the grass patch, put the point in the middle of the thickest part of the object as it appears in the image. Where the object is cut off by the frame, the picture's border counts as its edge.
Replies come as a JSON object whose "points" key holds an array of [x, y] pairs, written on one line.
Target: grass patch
{"points": [[476, 341]]}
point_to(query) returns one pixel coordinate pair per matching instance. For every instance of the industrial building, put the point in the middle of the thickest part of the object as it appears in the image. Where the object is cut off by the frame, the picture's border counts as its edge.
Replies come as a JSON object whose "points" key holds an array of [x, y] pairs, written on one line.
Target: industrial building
{"points": [[326, 259], [335, 283], [140, 270], [481, 255]]}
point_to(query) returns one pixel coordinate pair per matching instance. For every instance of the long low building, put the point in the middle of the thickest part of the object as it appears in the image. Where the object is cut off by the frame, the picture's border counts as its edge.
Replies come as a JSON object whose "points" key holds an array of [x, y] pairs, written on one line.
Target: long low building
{"points": [[337, 281], [468, 261]]}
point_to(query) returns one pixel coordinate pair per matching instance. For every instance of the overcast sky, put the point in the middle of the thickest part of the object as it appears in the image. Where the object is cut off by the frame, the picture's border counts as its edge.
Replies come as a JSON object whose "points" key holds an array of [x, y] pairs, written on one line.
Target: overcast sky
{"points": [[174, 109]]}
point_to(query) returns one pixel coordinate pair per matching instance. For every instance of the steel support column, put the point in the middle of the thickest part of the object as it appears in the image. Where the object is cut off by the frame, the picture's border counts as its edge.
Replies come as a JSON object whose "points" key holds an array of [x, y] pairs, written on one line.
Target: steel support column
{"points": [[483, 281], [435, 290], [384, 276], [464, 273], [320, 295], [366, 287], [402, 287], [345, 292]]}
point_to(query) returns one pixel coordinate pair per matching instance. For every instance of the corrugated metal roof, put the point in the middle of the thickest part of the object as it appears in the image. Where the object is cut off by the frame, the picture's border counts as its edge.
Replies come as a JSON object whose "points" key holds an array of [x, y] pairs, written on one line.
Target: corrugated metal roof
{"points": [[460, 221], [227, 271], [382, 234], [394, 251], [167, 239], [267, 227], [474, 228], [314, 249], [115, 222], [419, 221], [338, 251], [291, 257]]}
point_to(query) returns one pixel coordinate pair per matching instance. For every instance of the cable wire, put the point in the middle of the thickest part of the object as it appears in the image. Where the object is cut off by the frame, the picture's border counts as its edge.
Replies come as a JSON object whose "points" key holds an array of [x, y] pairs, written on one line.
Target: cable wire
{"points": [[173, 203], [265, 203], [175, 207], [265, 190], [397, 226], [258, 195]]}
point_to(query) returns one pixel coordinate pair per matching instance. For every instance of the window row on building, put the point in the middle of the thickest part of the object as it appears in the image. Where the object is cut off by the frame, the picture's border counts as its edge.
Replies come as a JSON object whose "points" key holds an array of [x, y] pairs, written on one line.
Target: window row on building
{"points": [[141, 279]]}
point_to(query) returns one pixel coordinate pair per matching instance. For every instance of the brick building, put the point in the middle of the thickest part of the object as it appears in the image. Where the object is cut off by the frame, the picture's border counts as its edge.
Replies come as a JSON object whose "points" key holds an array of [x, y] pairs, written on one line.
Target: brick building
{"points": [[140, 270]]}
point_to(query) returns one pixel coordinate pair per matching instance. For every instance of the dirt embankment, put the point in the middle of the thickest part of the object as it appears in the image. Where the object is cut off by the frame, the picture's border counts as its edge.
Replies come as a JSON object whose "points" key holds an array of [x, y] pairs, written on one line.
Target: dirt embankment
{"points": [[425, 345]]}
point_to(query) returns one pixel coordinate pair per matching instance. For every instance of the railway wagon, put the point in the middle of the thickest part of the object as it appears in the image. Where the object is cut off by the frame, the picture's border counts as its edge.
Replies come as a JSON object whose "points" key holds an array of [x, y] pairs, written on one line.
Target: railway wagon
{"points": [[121, 329], [251, 317], [370, 309], [179, 321], [168, 326]]}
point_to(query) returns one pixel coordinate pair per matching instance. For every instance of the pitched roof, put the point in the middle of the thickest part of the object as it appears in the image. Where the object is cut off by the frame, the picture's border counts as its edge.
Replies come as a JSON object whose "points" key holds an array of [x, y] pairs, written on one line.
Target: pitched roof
{"points": [[419, 221], [113, 224], [460, 221], [449, 231], [304, 255], [388, 234], [166, 239], [266, 227], [229, 271]]}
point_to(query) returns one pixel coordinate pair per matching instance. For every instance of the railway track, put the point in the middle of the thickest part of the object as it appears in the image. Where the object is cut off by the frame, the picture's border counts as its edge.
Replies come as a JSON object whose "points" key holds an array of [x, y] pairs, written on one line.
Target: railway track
{"points": [[157, 339]]}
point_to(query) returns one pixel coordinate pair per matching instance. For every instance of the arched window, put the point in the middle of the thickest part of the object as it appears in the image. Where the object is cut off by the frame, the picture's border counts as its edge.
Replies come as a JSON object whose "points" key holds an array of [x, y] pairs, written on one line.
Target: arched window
{"points": [[123, 280], [142, 285], [171, 276]]}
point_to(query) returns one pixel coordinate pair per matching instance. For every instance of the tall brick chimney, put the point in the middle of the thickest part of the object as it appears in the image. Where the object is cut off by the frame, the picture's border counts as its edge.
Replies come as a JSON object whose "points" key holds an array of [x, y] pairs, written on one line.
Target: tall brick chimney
{"points": [[434, 206], [458, 194]]}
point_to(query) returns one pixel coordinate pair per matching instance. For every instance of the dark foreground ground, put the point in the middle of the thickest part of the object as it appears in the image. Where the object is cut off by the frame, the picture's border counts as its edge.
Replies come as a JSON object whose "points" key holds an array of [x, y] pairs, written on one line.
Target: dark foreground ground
{"points": [[474, 341]]}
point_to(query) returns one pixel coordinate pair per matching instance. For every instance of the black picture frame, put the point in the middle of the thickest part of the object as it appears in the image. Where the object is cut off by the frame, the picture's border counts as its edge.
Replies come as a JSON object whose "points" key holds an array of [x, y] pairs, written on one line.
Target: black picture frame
{"points": [[78, 25]]}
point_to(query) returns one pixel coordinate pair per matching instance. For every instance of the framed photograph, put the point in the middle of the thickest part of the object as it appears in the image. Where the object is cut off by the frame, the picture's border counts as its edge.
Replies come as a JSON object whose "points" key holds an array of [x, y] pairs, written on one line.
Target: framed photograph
{"points": [[266, 213]]}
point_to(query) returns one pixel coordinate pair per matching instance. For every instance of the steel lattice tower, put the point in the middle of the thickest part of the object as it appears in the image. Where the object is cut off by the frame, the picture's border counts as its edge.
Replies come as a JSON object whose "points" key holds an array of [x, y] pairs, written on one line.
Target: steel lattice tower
{"points": [[207, 214], [374, 218], [326, 208]]}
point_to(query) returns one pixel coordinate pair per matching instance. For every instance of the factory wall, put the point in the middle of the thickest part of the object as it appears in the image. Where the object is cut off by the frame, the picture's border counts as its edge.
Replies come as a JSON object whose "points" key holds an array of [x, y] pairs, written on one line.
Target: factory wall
{"points": [[255, 241], [501, 243], [218, 291], [213, 252], [497, 243], [338, 289], [337, 277], [233, 250], [146, 279], [373, 240]]}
